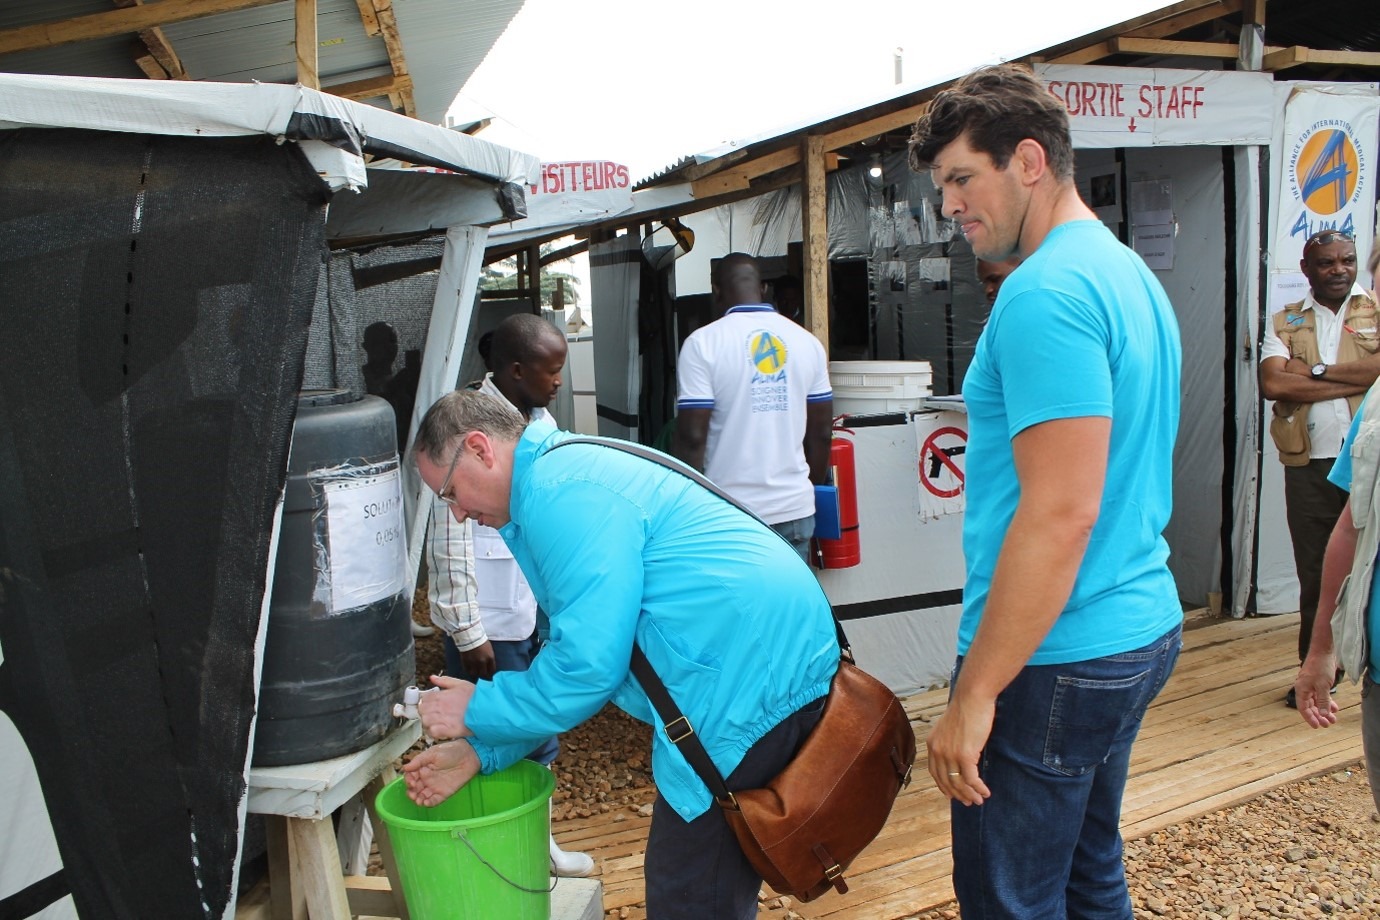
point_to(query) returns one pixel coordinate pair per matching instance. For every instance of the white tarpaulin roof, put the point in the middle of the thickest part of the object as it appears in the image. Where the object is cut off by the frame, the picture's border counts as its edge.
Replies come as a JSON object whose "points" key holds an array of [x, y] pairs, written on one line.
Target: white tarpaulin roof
{"points": [[295, 113]]}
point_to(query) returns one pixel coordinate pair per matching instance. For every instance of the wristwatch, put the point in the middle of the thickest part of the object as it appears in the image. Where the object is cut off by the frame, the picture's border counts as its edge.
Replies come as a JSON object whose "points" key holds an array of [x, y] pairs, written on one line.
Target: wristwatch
{"points": [[1317, 370]]}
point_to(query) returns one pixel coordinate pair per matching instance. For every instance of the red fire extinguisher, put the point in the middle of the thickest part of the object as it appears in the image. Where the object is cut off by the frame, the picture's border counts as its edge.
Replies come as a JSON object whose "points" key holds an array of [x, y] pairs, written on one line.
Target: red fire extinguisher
{"points": [[846, 551]]}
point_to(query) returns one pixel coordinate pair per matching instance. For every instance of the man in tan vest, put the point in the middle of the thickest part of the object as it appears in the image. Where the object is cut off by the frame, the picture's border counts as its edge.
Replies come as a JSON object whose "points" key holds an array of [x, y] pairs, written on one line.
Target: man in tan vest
{"points": [[1317, 360]]}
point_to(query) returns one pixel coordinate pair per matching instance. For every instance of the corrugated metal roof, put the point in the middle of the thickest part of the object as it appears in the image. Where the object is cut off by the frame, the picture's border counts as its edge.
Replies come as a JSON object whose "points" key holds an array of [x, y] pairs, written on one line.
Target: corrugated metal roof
{"points": [[443, 41], [1336, 25], [668, 170], [450, 39]]}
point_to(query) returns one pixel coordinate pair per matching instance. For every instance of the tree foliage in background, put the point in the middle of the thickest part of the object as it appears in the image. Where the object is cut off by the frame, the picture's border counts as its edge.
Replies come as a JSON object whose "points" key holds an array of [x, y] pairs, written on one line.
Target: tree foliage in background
{"points": [[503, 276]]}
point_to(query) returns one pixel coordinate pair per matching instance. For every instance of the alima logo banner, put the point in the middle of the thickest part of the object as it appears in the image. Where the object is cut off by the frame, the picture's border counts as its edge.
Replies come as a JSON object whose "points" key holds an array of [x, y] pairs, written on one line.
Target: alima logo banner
{"points": [[1329, 171], [1325, 171]]}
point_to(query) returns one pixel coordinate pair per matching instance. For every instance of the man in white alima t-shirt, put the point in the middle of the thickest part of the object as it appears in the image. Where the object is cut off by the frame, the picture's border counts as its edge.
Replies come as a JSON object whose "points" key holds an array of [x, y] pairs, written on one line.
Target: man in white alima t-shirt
{"points": [[755, 406]]}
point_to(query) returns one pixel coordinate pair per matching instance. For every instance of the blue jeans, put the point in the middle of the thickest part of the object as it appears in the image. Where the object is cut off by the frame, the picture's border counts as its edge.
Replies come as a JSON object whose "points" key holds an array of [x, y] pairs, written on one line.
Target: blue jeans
{"points": [[513, 655], [1047, 844], [798, 534]]}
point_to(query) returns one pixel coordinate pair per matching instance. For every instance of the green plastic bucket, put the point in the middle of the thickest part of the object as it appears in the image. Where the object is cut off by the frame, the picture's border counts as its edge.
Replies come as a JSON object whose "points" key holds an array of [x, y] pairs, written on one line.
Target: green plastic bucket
{"points": [[482, 854]]}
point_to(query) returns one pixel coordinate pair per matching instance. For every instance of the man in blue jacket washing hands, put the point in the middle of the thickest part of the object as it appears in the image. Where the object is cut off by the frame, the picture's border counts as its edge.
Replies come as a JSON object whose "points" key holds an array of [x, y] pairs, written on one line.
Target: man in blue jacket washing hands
{"points": [[618, 550]]}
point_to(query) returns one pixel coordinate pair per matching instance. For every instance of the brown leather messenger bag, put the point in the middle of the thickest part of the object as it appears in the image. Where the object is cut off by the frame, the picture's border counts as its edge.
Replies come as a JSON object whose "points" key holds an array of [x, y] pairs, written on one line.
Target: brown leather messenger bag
{"points": [[805, 827]]}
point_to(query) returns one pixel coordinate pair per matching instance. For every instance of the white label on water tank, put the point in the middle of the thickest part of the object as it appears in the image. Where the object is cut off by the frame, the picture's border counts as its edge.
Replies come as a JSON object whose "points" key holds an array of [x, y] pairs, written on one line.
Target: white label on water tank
{"points": [[364, 524]]}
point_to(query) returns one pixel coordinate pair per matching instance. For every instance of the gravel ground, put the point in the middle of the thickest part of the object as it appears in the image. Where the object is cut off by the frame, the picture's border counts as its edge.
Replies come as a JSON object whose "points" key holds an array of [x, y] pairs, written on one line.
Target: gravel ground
{"points": [[1308, 849]]}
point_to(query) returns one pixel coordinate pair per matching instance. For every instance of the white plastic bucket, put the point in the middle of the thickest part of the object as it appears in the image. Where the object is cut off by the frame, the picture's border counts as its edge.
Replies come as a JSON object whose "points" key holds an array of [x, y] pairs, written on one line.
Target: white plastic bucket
{"points": [[871, 387]]}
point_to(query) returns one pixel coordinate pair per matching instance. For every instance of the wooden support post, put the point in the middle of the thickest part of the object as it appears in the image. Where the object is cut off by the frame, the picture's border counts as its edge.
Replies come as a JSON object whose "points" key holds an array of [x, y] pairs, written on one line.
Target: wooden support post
{"points": [[115, 22], [371, 87], [149, 64], [392, 40], [1284, 58], [1252, 38], [1223, 50], [815, 236], [534, 275], [286, 899], [313, 843], [385, 842], [1085, 55], [308, 71], [156, 59]]}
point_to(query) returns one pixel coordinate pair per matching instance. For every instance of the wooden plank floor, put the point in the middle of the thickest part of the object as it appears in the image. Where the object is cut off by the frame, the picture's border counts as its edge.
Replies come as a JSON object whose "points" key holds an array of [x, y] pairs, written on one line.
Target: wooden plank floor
{"points": [[1218, 735]]}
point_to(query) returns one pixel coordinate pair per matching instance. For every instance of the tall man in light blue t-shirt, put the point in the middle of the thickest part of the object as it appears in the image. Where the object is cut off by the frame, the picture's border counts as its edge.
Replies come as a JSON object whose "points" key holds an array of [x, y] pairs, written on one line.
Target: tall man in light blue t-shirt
{"points": [[1071, 620]]}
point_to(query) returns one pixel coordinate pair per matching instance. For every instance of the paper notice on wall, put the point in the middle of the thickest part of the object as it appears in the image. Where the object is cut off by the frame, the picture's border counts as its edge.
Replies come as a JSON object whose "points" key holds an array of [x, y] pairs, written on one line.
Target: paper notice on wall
{"points": [[364, 526], [1152, 201], [1285, 288], [1155, 244]]}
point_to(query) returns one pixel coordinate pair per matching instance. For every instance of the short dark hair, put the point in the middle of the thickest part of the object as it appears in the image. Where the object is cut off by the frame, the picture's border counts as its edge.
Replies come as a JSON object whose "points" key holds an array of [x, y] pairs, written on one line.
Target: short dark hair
{"points": [[787, 283], [997, 107], [522, 337], [485, 348], [1326, 238]]}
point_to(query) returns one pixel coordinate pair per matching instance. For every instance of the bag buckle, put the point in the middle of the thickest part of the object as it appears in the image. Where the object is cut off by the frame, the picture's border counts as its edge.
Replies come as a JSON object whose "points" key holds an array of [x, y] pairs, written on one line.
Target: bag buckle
{"points": [[833, 872], [901, 767], [677, 735], [730, 801]]}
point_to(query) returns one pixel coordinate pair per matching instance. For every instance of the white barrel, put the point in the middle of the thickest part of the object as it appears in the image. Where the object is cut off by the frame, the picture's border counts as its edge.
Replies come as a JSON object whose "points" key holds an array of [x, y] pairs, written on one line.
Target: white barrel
{"points": [[872, 387]]}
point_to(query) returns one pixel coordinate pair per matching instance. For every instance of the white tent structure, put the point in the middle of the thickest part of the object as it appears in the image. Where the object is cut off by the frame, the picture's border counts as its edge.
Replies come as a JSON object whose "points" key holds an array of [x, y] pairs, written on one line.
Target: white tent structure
{"points": [[169, 286]]}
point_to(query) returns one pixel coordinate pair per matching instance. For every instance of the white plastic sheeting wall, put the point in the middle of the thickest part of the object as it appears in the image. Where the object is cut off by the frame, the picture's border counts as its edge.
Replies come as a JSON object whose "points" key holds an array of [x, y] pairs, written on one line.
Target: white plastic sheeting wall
{"points": [[900, 606], [1246, 482], [615, 276], [1196, 286]]}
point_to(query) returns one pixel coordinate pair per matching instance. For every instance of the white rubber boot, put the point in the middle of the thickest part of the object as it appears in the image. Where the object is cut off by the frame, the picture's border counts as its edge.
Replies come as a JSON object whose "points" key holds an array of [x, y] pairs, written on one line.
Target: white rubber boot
{"points": [[566, 864]]}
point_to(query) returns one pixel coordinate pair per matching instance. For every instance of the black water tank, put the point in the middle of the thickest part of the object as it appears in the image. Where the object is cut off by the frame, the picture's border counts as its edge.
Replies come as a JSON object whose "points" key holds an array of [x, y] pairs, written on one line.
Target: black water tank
{"points": [[339, 647]]}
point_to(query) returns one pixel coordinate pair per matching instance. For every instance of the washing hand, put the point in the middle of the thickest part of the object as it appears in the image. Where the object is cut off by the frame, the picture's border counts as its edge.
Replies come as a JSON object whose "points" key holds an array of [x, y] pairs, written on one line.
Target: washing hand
{"points": [[443, 713], [436, 773]]}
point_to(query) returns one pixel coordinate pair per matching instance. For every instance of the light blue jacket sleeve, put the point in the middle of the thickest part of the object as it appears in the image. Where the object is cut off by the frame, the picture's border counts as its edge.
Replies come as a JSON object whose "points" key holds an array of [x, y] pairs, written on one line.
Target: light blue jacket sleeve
{"points": [[580, 545]]}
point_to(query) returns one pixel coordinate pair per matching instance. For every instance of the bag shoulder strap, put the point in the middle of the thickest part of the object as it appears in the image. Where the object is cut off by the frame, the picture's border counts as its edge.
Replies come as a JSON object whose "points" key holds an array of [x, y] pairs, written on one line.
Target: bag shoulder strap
{"points": [[678, 728], [695, 476], [657, 457]]}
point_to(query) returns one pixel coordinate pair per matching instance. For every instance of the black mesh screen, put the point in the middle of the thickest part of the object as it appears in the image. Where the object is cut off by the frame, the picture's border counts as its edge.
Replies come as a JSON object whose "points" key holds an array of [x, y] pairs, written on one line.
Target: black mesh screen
{"points": [[387, 284], [156, 295]]}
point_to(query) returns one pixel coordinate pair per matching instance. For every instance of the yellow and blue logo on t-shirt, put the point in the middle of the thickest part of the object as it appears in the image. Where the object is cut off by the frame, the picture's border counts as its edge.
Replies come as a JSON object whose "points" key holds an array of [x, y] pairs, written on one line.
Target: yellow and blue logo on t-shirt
{"points": [[768, 356], [768, 353]]}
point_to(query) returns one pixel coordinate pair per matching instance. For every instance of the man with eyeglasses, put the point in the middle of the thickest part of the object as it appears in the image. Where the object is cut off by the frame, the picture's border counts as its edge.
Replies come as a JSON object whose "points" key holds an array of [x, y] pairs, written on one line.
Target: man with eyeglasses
{"points": [[620, 549], [476, 591], [1317, 360]]}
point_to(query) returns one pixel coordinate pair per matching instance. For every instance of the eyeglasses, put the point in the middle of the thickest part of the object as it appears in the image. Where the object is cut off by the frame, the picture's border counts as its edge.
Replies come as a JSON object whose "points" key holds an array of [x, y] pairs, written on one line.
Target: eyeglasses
{"points": [[442, 493], [1324, 237]]}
